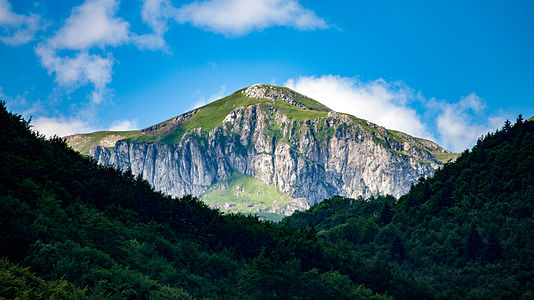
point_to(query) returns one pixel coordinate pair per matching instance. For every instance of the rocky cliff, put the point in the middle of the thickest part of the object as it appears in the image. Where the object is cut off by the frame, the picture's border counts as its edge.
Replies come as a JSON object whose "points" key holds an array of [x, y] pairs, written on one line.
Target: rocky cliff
{"points": [[280, 138]]}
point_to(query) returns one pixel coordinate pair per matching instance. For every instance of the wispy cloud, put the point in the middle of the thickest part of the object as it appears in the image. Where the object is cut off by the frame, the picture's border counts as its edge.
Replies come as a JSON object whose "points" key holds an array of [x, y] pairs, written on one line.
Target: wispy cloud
{"points": [[394, 105], [156, 14], [228, 17], [124, 125], [460, 124], [150, 41], [378, 101], [239, 17], [78, 53], [44, 125], [205, 100], [80, 69], [81, 122], [17, 29], [92, 24], [21, 104], [61, 126]]}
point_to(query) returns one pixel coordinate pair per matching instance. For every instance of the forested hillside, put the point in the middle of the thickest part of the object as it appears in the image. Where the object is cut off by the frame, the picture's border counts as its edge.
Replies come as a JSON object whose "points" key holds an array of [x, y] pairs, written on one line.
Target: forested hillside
{"points": [[468, 230], [73, 229]]}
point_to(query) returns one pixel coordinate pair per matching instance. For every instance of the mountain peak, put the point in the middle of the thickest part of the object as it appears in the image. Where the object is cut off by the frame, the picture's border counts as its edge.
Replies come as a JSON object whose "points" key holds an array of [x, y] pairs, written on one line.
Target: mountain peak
{"points": [[294, 150], [273, 93]]}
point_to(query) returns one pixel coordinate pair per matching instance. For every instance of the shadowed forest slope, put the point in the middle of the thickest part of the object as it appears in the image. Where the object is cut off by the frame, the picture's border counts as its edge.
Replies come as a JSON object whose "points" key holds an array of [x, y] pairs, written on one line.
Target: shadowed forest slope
{"points": [[468, 230], [73, 229]]}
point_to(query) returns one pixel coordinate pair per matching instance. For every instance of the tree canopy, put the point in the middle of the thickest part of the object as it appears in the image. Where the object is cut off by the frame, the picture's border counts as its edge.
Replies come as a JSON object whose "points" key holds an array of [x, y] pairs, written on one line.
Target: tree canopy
{"points": [[468, 230]]}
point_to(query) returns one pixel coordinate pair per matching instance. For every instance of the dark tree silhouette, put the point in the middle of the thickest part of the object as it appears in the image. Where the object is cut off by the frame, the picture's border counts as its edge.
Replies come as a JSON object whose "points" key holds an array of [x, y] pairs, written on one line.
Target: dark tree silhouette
{"points": [[397, 249], [494, 249], [385, 215], [474, 243]]}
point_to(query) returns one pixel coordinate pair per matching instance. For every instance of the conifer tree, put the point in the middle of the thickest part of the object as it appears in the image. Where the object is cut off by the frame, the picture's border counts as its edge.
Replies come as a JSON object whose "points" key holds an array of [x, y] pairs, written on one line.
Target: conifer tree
{"points": [[385, 215], [397, 249], [494, 249], [474, 243]]}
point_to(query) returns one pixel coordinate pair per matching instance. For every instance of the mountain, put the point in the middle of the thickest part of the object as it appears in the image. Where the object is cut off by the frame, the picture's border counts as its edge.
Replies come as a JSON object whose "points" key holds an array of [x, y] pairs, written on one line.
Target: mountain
{"points": [[271, 137], [468, 230], [72, 229]]}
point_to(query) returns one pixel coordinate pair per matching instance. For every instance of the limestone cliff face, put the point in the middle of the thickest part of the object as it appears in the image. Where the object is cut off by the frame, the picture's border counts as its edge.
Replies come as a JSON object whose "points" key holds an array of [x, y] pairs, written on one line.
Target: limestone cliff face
{"points": [[311, 160]]}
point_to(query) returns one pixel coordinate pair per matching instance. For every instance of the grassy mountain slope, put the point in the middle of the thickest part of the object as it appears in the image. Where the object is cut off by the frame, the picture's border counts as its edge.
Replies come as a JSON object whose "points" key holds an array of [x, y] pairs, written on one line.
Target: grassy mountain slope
{"points": [[89, 231], [211, 115], [83, 142], [206, 117], [245, 194], [273, 102], [468, 230]]}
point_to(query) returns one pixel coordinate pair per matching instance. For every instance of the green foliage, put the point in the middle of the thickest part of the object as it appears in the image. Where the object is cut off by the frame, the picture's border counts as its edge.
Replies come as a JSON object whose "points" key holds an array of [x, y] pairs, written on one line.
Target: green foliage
{"points": [[445, 157], [94, 138], [296, 113], [385, 215], [468, 231], [211, 115], [206, 117], [73, 229], [473, 243], [398, 252], [494, 249], [20, 283], [307, 102], [245, 194]]}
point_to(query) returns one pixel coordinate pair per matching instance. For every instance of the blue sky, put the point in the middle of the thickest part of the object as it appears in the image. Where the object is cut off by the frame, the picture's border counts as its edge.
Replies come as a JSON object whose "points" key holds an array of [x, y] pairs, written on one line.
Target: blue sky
{"points": [[445, 70]]}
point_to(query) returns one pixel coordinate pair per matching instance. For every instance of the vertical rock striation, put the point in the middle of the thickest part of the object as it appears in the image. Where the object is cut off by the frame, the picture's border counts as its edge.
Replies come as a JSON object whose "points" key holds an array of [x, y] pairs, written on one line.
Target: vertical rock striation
{"points": [[313, 159]]}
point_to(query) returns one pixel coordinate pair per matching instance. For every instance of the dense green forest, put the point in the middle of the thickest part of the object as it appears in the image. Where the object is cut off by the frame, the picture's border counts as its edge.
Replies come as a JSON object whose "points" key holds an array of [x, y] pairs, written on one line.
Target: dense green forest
{"points": [[468, 231], [73, 229]]}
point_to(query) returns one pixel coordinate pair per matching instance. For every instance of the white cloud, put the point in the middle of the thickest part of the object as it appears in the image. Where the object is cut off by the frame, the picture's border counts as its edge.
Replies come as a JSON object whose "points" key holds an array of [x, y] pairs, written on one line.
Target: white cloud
{"points": [[20, 103], [71, 56], [205, 100], [378, 101], [124, 125], [156, 14], [239, 17], [455, 126], [230, 17], [81, 69], [461, 124], [60, 126], [19, 29], [92, 24], [149, 42]]}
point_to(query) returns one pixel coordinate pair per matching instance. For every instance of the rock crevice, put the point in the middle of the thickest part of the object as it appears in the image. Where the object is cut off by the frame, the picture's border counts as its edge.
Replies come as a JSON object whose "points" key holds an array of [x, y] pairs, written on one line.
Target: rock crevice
{"points": [[310, 160]]}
